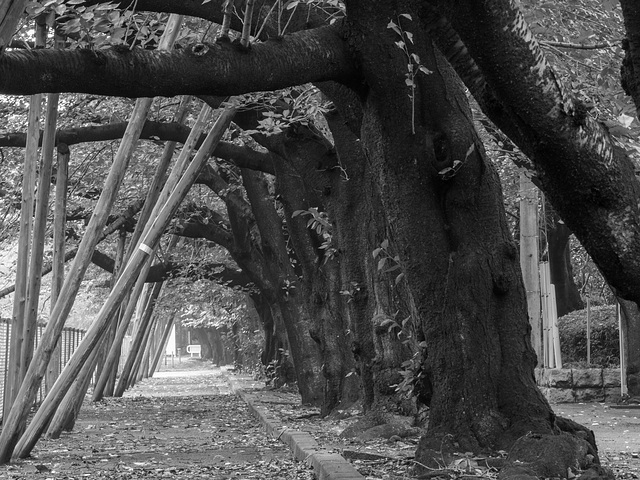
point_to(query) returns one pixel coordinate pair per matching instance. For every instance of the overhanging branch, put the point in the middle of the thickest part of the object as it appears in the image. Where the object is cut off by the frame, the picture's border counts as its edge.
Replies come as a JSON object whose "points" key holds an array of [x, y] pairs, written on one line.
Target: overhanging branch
{"points": [[212, 69]]}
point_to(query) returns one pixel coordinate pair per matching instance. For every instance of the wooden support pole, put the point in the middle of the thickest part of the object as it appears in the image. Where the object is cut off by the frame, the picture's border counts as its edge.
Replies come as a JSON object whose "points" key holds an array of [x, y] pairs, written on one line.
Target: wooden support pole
{"points": [[64, 418], [57, 276], [111, 333], [158, 200], [529, 258], [622, 330], [149, 242], [106, 379], [17, 417], [162, 345], [137, 344], [13, 379], [39, 231]]}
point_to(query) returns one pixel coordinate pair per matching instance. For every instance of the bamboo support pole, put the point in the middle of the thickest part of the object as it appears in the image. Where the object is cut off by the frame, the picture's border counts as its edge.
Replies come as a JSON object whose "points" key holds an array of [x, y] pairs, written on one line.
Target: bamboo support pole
{"points": [[150, 240]]}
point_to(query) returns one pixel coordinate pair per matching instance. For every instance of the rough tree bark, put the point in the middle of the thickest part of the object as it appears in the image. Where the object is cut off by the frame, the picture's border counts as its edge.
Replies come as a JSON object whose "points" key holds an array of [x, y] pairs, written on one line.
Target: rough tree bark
{"points": [[469, 295]]}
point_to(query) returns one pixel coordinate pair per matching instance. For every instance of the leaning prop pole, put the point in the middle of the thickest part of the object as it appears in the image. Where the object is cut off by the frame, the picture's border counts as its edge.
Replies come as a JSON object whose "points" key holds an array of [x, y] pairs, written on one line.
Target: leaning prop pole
{"points": [[157, 356], [39, 231], [13, 379], [15, 421], [138, 343], [132, 270], [155, 203], [110, 366]]}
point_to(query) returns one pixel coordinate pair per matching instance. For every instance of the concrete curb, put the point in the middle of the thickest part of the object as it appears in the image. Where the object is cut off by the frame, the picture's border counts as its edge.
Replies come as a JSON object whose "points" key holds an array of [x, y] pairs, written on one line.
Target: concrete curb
{"points": [[326, 465]]}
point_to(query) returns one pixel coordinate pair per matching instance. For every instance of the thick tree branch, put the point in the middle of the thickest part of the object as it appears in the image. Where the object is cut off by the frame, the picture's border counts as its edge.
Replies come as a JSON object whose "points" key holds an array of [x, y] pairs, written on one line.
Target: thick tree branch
{"points": [[216, 272], [213, 69], [630, 70], [241, 155], [588, 180], [211, 231]]}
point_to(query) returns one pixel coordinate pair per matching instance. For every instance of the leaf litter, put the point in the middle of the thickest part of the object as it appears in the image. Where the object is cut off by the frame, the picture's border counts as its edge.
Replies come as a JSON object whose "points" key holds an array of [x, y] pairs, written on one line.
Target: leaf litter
{"points": [[188, 425]]}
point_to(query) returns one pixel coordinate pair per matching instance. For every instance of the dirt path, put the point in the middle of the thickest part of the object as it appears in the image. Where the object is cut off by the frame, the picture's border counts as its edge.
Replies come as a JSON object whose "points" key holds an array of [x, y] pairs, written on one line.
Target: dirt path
{"points": [[178, 425]]}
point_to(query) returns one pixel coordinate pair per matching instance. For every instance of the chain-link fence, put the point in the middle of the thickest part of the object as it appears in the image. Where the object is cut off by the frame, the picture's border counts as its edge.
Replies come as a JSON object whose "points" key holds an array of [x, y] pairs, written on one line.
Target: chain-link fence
{"points": [[69, 341]]}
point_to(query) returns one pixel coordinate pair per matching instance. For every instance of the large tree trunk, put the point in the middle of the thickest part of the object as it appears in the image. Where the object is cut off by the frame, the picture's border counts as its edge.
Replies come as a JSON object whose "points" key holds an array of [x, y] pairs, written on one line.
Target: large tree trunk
{"points": [[287, 292], [374, 297], [444, 206]]}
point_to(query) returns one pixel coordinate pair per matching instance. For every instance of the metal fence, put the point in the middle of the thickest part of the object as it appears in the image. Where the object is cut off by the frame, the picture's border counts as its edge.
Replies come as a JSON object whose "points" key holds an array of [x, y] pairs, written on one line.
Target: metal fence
{"points": [[69, 341]]}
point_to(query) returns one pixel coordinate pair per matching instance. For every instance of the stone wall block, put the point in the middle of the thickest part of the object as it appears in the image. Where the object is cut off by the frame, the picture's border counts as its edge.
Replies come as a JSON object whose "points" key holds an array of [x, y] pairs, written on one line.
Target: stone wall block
{"points": [[611, 377], [559, 395], [559, 377], [587, 395], [587, 378]]}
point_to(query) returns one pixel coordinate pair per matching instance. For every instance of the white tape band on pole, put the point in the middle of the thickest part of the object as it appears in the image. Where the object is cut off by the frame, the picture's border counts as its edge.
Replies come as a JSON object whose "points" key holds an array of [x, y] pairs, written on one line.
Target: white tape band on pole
{"points": [[146, 249]]}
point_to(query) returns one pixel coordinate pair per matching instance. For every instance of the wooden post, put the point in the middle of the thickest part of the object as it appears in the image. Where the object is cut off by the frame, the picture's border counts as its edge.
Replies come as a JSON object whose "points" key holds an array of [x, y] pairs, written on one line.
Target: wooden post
{"points": [[15, 421], [150, 240], [623, 357], [39, 231], [57, 276], [13, 379], [529, 260]]}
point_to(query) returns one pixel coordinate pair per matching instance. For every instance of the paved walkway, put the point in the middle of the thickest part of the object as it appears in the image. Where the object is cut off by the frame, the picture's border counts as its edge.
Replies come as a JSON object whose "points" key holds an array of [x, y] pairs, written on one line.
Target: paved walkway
{"points": [[182, 425]]}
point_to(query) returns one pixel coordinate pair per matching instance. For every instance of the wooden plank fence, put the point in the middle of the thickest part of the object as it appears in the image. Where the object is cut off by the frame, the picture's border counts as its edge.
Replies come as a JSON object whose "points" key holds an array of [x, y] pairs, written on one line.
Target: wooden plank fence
{"points": [[70, 339]]}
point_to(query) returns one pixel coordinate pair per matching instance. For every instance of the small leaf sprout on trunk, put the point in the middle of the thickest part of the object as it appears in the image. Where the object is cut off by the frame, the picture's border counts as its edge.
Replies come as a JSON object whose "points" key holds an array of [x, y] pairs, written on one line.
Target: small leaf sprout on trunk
{"points": [[414, 64]]}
